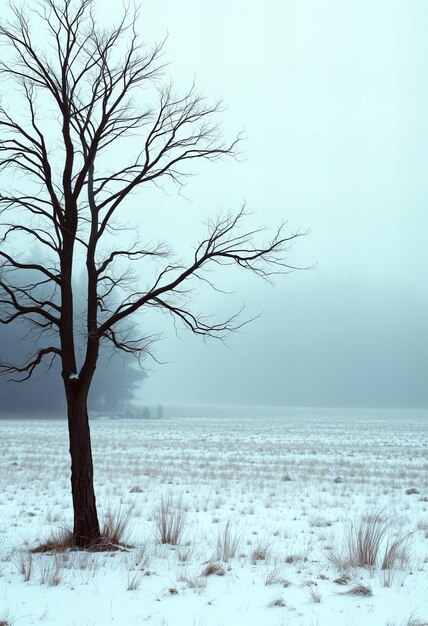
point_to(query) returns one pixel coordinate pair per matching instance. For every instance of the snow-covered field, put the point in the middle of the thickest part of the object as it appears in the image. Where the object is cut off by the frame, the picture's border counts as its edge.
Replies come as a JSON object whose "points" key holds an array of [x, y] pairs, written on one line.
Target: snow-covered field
{"points": [[267, 499]]}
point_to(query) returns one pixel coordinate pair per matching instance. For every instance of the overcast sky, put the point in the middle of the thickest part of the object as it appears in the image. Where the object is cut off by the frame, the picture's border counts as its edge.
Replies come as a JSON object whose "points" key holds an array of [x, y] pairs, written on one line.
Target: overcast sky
{"points": [[333, 100]]}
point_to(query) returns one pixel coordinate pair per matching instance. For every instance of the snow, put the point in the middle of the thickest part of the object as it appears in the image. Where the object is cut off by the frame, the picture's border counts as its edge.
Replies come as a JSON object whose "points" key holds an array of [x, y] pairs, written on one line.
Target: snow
{"points": [[270, 473]]}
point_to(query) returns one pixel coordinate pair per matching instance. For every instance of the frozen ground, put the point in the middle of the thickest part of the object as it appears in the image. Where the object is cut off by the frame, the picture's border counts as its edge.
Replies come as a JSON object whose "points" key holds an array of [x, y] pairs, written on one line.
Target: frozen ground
{"points": [[286, 485]]}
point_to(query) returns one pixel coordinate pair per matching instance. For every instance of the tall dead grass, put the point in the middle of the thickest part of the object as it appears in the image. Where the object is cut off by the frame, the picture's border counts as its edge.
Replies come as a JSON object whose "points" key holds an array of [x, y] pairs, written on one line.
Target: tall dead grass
{"points": [[23, 561], [170, 519], [114, 535], [228, 542], [369, 543], [115, 529]]}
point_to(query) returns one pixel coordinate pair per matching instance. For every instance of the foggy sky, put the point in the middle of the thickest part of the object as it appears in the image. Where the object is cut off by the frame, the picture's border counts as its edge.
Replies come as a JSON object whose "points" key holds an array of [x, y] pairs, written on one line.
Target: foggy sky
{"points": [[332, 97]]}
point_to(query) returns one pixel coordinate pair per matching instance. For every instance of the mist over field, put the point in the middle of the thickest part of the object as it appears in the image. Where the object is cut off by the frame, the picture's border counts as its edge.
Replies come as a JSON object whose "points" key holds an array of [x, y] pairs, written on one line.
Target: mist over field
{"points": [[333, 104]]}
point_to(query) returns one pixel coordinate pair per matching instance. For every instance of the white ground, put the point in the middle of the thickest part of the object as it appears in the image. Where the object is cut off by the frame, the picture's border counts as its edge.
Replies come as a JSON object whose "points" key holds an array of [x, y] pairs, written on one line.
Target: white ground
{"points": [[271, 475]]}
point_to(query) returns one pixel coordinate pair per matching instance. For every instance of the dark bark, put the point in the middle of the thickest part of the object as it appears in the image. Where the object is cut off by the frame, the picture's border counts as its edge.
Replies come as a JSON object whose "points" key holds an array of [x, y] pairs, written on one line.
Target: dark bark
{"points": [[86, 529]]}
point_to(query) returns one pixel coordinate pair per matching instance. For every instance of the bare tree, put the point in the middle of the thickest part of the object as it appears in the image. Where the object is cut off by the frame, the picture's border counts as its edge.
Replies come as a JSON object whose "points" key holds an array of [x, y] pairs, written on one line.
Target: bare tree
{"points": [[66, 194]]}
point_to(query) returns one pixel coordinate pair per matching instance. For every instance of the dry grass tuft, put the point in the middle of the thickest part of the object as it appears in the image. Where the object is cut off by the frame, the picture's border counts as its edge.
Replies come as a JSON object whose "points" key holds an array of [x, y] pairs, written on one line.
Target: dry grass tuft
{"points": [[275, 577], [396, 553], [314, 594], [23, 561], [51, 572], [112, 538], [392, 577], [198, 583], [366, 544], [170, 520], [142, 557], [364, 540], [260, 553], [213, 569], [60, 541], [134, 580], [359, 589], [228, 542], [294, 558], [184, 554], [342, 580], [114, 529], [277, 602]]}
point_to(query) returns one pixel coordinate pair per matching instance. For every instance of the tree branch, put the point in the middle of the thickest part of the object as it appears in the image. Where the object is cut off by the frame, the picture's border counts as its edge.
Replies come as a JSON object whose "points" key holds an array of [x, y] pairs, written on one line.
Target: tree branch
{"points": [[28, 368], [221, 246]]}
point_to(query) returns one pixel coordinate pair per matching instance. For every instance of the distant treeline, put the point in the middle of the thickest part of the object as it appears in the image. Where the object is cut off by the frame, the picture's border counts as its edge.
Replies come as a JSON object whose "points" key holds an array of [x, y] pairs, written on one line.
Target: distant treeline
{"points": [[115, 385], [116, 382]]}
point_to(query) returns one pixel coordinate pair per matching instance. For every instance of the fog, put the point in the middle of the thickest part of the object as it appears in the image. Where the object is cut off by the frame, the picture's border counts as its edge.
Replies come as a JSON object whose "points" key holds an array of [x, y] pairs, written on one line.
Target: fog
{"points": [[333, 100], [116, 382], [332, 97]]}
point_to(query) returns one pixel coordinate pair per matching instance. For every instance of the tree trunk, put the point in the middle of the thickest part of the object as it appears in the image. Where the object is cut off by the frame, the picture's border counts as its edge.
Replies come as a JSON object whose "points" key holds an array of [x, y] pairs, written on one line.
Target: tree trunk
{"points": [[86, 527]]}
